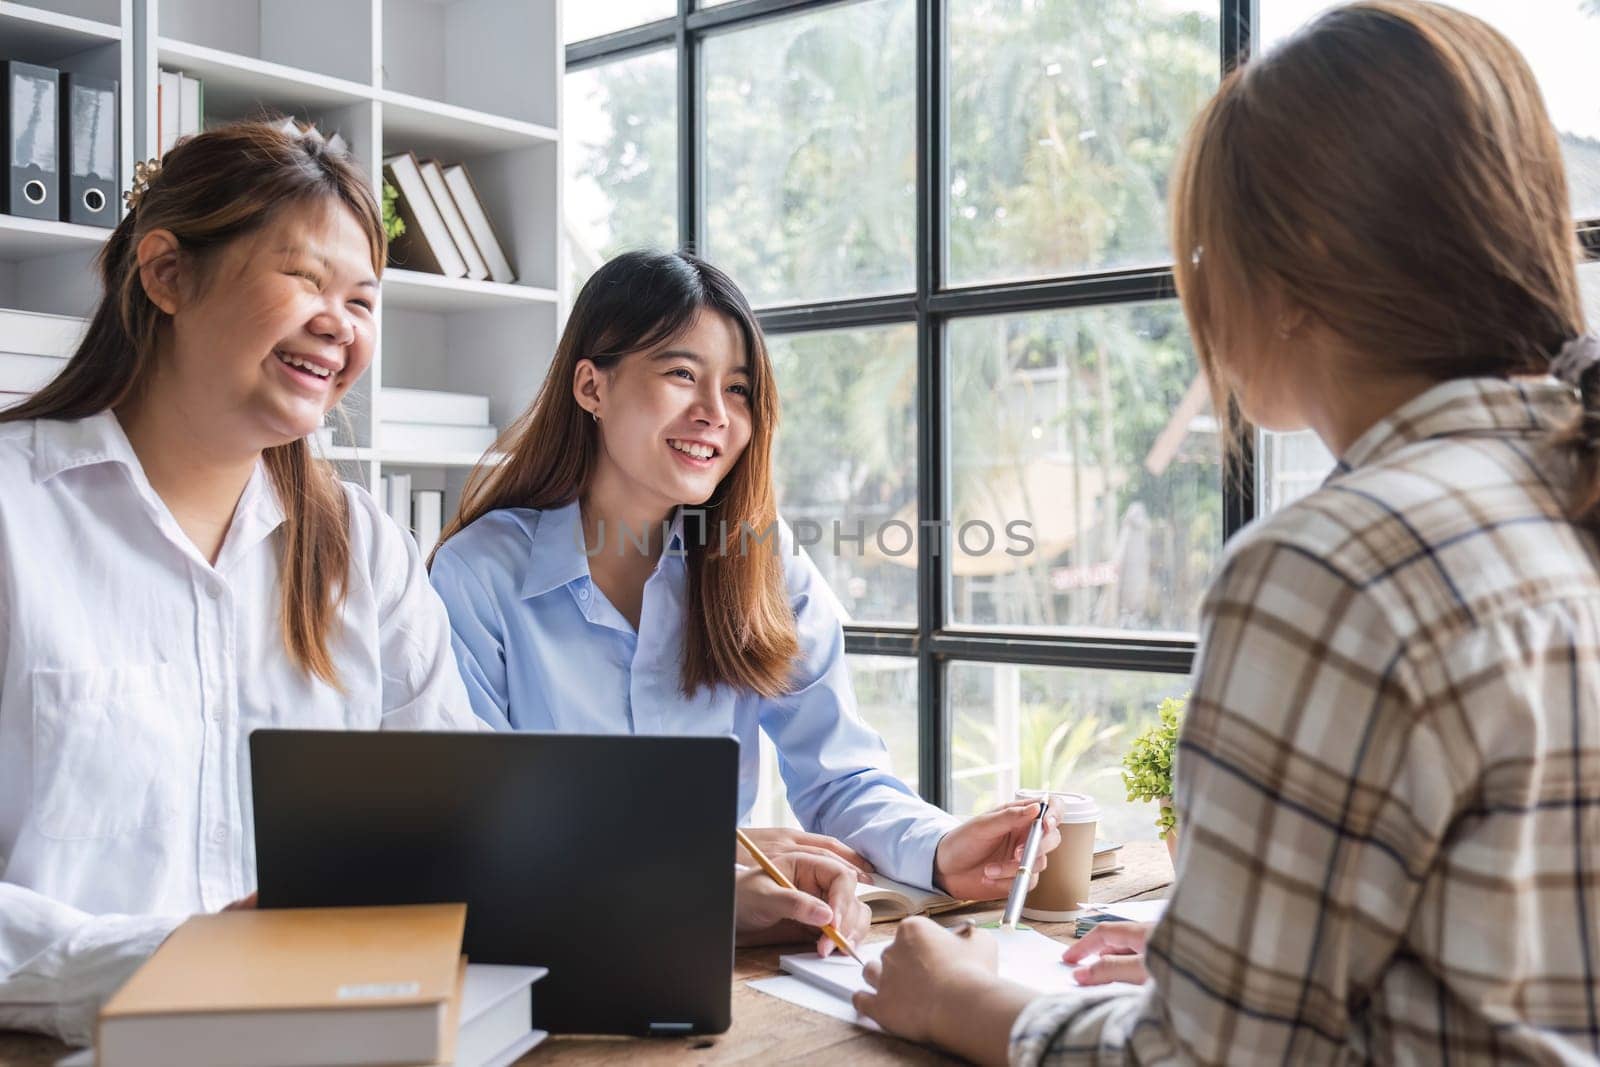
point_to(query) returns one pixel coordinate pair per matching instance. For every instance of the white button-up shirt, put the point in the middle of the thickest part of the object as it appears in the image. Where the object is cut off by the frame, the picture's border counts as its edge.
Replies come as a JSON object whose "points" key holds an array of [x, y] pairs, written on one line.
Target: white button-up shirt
{"points": [[132, 671]]}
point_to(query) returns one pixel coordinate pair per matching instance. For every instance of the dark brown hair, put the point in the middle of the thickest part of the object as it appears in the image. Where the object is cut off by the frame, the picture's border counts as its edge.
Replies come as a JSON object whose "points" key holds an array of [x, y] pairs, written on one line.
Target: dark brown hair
{"points": [[739, 628], [213, 189], [1391, 169]]}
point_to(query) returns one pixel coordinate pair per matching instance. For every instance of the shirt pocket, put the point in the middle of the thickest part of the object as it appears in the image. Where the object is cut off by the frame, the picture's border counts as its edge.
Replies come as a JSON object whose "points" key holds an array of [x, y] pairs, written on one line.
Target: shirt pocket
{"points": [[107, 750]]}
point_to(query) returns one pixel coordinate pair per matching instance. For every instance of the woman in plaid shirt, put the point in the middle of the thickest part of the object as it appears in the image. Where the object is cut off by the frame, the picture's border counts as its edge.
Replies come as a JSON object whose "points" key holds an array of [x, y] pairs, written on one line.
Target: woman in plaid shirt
{"points": [[1389, 778]]}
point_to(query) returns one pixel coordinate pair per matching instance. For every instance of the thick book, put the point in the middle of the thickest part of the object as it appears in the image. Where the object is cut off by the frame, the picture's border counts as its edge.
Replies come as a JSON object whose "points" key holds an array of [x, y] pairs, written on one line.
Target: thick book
{"points": [[24, 373], [399, 499], [169, 123], [465, 194], [426, 245], [190, 120], [891, 900], [427, 518], [423, 437], [496, 1013], [433, 178], [89, 148], [432, 407], [38, 334], [296, 987], [30, 116]]}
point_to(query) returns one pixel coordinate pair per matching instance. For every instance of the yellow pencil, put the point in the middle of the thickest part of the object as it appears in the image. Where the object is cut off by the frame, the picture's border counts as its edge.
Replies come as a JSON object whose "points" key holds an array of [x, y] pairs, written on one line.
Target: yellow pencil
{"points": [[778, 876]]}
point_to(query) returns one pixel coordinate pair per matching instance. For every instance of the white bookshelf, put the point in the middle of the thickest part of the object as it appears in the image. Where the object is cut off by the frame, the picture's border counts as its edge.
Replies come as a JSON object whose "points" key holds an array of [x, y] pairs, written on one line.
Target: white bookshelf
{"points": [[470, 81]]}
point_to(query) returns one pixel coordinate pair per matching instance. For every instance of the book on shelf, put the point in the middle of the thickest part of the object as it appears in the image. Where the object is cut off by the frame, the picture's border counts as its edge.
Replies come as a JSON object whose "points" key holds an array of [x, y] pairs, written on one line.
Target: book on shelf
{"points": [[431, 406], [21, 372], [169, 102], [295, 128], [433, 178], [30, 118], [426, 244], [427, 438], [396, 499], [294, 987], [427, 518], [465, 194], [34, 333]]}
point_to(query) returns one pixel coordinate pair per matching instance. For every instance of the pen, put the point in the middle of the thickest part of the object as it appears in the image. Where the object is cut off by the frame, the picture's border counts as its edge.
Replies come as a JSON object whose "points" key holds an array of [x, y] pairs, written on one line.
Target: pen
{"points": [[1030, 853], [778, 876]]}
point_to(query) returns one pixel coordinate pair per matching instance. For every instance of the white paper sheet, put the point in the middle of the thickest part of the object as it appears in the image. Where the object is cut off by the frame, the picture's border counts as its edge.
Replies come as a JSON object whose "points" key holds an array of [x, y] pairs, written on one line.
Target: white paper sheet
{"points": [[1027, 957], [1136, 911], [787, 987]]}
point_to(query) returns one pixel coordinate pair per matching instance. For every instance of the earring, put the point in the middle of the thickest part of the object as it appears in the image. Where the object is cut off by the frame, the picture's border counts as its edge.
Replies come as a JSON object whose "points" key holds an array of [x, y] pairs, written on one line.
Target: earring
{"points": [[595, 417]]}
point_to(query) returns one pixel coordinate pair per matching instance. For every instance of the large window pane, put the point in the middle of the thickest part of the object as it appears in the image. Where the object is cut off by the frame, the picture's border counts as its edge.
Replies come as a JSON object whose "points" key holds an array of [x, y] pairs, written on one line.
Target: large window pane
{"points": [[1092, 428], [583, 19], [1589, 279], [619, 121], [809, 167], [1016, 727], [846, 462], [1289, 465], [1065, 117], [1560, 39], [886, 695]]}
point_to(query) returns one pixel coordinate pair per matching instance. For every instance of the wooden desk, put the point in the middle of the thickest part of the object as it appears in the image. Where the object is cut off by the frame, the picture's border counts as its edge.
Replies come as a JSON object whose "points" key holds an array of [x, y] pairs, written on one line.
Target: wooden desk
{"points": [[765, 1029]]}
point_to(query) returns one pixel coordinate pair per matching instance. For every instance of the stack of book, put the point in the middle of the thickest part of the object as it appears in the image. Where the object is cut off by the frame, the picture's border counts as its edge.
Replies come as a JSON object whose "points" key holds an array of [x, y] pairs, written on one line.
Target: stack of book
{"points": [[33, 349], [433, 423], [60, 145], [445, 228], [1107, 859], [319, 986]]}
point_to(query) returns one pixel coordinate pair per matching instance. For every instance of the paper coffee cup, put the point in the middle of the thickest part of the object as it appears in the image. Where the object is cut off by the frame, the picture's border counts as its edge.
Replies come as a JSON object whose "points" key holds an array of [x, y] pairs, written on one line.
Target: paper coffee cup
{"points": [[1064, 882]]}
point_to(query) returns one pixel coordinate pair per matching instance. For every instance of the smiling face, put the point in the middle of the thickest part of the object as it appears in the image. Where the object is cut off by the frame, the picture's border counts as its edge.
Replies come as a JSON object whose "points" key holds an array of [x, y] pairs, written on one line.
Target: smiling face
{"points": [[675, 419], [277, 332]]}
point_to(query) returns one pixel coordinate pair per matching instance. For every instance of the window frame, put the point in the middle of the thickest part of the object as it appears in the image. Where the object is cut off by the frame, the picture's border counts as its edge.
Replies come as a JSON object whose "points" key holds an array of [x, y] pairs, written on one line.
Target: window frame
{"points": [[933, 642]]}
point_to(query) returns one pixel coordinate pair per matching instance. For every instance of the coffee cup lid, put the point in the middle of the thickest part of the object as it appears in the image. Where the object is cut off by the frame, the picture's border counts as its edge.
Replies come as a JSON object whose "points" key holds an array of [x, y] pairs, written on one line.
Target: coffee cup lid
{"points": [[1069, 807]]}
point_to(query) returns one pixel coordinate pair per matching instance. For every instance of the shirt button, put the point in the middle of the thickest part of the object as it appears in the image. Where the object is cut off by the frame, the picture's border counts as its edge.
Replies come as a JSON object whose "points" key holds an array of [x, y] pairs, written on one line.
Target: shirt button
{"points": [[216, 717], [214, 591], [219, 834], [583, 592]]}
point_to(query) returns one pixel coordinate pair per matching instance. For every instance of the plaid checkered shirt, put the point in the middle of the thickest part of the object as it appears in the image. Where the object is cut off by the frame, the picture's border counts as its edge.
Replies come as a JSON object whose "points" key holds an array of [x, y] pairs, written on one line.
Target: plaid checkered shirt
{"points": [[1388, 780]]}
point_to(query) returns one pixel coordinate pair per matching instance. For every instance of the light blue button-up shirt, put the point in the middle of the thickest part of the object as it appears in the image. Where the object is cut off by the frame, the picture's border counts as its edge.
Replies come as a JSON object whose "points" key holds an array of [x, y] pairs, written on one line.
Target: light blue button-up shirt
{"points": [[541, 648]]}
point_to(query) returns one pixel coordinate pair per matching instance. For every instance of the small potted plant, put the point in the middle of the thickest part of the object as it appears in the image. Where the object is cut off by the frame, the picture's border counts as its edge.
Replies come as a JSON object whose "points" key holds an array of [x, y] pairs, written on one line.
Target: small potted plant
{"points": [[1147, 768]]}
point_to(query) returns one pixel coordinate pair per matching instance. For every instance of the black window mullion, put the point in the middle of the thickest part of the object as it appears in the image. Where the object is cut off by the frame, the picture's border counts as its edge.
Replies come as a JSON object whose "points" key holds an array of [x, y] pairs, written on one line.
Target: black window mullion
{"points": [[689, 124], [1239, 477], [933, 741]]}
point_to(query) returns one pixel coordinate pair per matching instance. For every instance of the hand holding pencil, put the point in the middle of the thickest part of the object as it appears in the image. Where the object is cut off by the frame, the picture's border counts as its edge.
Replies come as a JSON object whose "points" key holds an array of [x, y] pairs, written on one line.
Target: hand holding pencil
{"points": [[797, 890]]}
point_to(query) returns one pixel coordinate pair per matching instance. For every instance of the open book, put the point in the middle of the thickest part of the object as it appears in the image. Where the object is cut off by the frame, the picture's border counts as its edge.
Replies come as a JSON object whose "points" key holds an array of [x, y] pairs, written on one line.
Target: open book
{"points": [[891, 900]]}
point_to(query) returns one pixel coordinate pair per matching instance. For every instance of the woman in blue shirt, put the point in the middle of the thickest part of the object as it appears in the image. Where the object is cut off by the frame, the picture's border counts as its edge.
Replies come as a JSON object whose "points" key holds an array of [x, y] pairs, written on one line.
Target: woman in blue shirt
{"points": [[625, 570]]}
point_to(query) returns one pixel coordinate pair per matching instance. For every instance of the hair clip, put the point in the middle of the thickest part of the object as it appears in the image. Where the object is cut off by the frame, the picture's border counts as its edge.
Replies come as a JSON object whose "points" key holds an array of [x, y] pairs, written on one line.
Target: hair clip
{"points": [[144, 172], [1576, 357]]}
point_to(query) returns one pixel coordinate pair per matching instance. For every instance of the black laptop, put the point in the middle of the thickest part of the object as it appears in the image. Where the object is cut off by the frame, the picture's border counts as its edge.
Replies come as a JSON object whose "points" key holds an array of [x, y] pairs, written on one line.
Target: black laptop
{"points": [[609, 860]]}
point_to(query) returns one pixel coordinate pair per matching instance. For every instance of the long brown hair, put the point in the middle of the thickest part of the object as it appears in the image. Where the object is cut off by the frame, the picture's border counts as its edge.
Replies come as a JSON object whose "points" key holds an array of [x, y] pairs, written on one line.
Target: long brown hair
{"points": [[739, 629], [213, 189], [1390, 169]]}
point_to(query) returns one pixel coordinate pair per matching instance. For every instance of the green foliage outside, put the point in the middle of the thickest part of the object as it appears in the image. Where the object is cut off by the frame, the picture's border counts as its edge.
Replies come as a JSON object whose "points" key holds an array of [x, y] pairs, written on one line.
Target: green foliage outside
{"points": [[1147, 768]]}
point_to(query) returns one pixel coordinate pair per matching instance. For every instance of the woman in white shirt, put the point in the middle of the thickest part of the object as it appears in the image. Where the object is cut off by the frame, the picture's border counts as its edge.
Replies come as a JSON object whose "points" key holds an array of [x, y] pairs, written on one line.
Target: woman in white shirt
{"points": [[177, 569]]}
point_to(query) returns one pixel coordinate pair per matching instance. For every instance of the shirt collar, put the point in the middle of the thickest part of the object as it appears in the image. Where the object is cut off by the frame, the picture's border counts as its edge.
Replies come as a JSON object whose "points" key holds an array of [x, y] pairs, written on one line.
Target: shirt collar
{"points": [[558, 555], [60, 445], [1465, 407]]}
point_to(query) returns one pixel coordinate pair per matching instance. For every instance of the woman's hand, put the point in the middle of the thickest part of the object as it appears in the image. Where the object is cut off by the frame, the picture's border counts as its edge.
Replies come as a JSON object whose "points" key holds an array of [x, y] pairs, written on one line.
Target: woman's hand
{"points": [[778, 841], [978, 860], [825, 892], [1120, 947], [940, 987]]}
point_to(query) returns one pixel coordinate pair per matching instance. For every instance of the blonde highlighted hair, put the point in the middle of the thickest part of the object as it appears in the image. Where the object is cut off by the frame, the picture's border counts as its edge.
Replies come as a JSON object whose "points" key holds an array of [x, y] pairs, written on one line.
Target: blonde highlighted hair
{"points": [[1391, 170]]}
